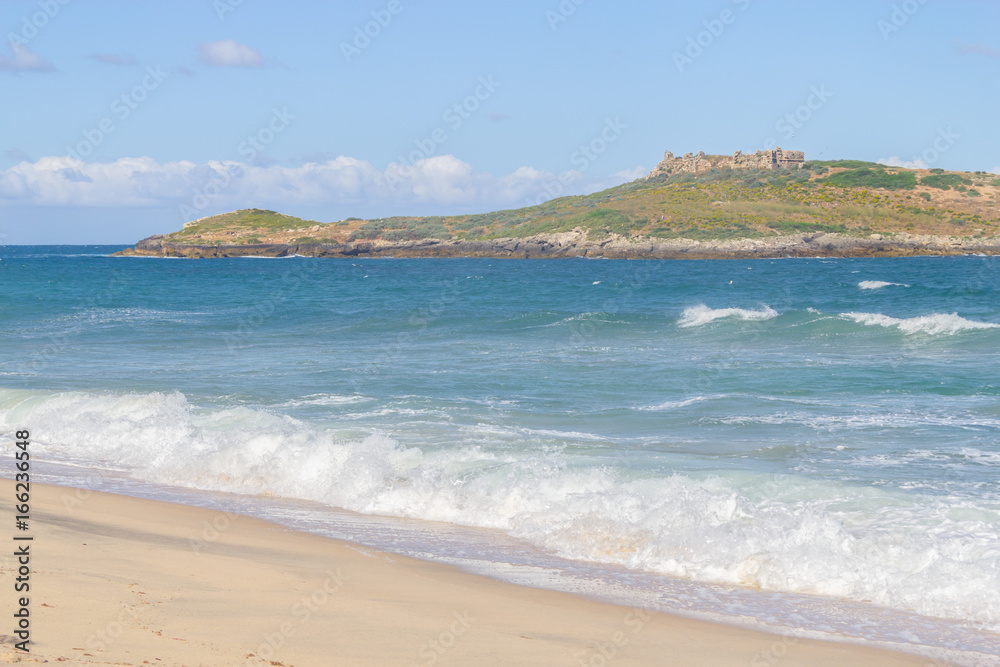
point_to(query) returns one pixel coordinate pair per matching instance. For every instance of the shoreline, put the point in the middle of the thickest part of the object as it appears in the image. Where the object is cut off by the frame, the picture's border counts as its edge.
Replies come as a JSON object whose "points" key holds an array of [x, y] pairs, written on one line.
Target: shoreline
{"points": [[576, 245], [116, 578]]}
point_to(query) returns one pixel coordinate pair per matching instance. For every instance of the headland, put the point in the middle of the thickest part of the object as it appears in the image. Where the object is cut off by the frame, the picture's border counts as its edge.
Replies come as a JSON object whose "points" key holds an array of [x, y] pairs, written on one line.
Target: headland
{"points": [[764, 204]]}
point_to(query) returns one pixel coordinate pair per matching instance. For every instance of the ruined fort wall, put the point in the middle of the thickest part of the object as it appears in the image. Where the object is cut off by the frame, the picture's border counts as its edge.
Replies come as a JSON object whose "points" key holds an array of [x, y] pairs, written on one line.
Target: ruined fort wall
{"points": [[702, 163]]}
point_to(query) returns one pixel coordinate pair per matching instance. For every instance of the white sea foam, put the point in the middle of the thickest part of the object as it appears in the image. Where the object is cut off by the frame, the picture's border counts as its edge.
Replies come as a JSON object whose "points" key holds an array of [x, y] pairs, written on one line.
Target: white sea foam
{"points": [[980, 457], [936, 555], [878, 284], [267, 256], [936, 324], [674, 405], [701, 314], [598, 317], [891, 419], [324, 400], [131, 316]]}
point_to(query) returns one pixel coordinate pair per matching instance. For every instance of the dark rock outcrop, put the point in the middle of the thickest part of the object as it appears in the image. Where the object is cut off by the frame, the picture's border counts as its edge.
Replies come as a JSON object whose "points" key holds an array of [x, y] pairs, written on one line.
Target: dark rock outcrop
{"points": [[576, 244]]}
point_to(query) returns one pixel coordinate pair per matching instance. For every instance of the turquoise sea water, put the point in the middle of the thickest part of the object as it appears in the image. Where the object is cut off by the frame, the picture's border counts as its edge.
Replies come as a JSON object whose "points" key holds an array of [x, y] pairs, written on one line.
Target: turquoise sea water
{"points": [[811, 427]]}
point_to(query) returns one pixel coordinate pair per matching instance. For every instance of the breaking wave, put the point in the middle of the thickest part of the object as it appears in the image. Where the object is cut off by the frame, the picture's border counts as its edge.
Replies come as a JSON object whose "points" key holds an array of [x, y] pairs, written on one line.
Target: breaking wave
{"points": [[936, 555], [879, 284], [701, 314], [935, 324]]}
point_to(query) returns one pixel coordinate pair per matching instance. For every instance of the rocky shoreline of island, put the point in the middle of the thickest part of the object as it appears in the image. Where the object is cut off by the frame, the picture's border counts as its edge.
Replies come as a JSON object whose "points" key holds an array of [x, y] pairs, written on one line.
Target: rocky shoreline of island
{"points": [[577, 245]]}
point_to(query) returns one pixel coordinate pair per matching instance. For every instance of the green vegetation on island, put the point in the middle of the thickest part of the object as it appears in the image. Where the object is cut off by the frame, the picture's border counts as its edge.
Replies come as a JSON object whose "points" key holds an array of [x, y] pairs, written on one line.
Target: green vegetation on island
{"points": [[848, 197]]}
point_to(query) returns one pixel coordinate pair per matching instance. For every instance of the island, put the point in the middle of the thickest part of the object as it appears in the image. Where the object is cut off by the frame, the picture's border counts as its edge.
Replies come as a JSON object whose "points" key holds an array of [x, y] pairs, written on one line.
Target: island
{"points": [[765, 204]]}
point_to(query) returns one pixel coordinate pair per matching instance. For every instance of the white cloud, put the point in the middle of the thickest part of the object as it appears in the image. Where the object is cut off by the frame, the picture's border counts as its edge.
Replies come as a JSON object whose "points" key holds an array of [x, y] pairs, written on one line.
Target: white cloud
{"points": [[228, 53], [24, 60], [896, 162], [65, 181], [995, 170], [443, 182]]}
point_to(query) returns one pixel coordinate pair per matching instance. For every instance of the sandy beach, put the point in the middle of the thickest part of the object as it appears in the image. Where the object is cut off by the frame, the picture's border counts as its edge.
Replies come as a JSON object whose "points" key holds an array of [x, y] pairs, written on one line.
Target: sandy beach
{"points": [[117, 580]]}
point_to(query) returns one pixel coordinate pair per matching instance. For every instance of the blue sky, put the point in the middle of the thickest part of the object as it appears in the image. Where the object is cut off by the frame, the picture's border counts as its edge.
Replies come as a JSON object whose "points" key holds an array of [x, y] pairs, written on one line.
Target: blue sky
{"points": [[123, 119]]}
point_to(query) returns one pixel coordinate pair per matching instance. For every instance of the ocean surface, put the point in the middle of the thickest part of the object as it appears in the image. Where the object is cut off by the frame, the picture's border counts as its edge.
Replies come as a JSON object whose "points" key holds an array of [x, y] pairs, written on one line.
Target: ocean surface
{"points": [[807, 445]]}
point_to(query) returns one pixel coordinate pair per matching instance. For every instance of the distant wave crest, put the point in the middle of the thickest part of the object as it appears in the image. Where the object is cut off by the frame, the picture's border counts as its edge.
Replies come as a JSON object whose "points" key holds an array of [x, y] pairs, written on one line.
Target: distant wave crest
{"points": [[701, 314], [879, 284], [936, 324]]}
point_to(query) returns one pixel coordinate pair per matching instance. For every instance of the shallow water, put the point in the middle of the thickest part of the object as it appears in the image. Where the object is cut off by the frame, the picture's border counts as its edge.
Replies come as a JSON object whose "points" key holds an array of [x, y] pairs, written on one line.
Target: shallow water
{"points": [[797, 429]]}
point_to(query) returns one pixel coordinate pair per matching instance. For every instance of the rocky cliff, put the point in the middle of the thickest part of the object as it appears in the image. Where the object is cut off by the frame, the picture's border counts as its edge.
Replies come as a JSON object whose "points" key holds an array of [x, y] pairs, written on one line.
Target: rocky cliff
{"points": [[576, 244]]}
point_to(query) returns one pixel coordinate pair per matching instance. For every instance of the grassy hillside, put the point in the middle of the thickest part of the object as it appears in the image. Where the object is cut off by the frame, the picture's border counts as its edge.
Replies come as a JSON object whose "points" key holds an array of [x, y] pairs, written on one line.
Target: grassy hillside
{"points": [[848, 196]]}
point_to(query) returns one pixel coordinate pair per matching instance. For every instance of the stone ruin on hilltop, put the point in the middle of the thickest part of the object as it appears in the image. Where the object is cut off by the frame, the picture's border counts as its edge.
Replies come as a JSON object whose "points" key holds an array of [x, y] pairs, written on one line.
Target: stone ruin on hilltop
{"points": [[701, 163]]}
